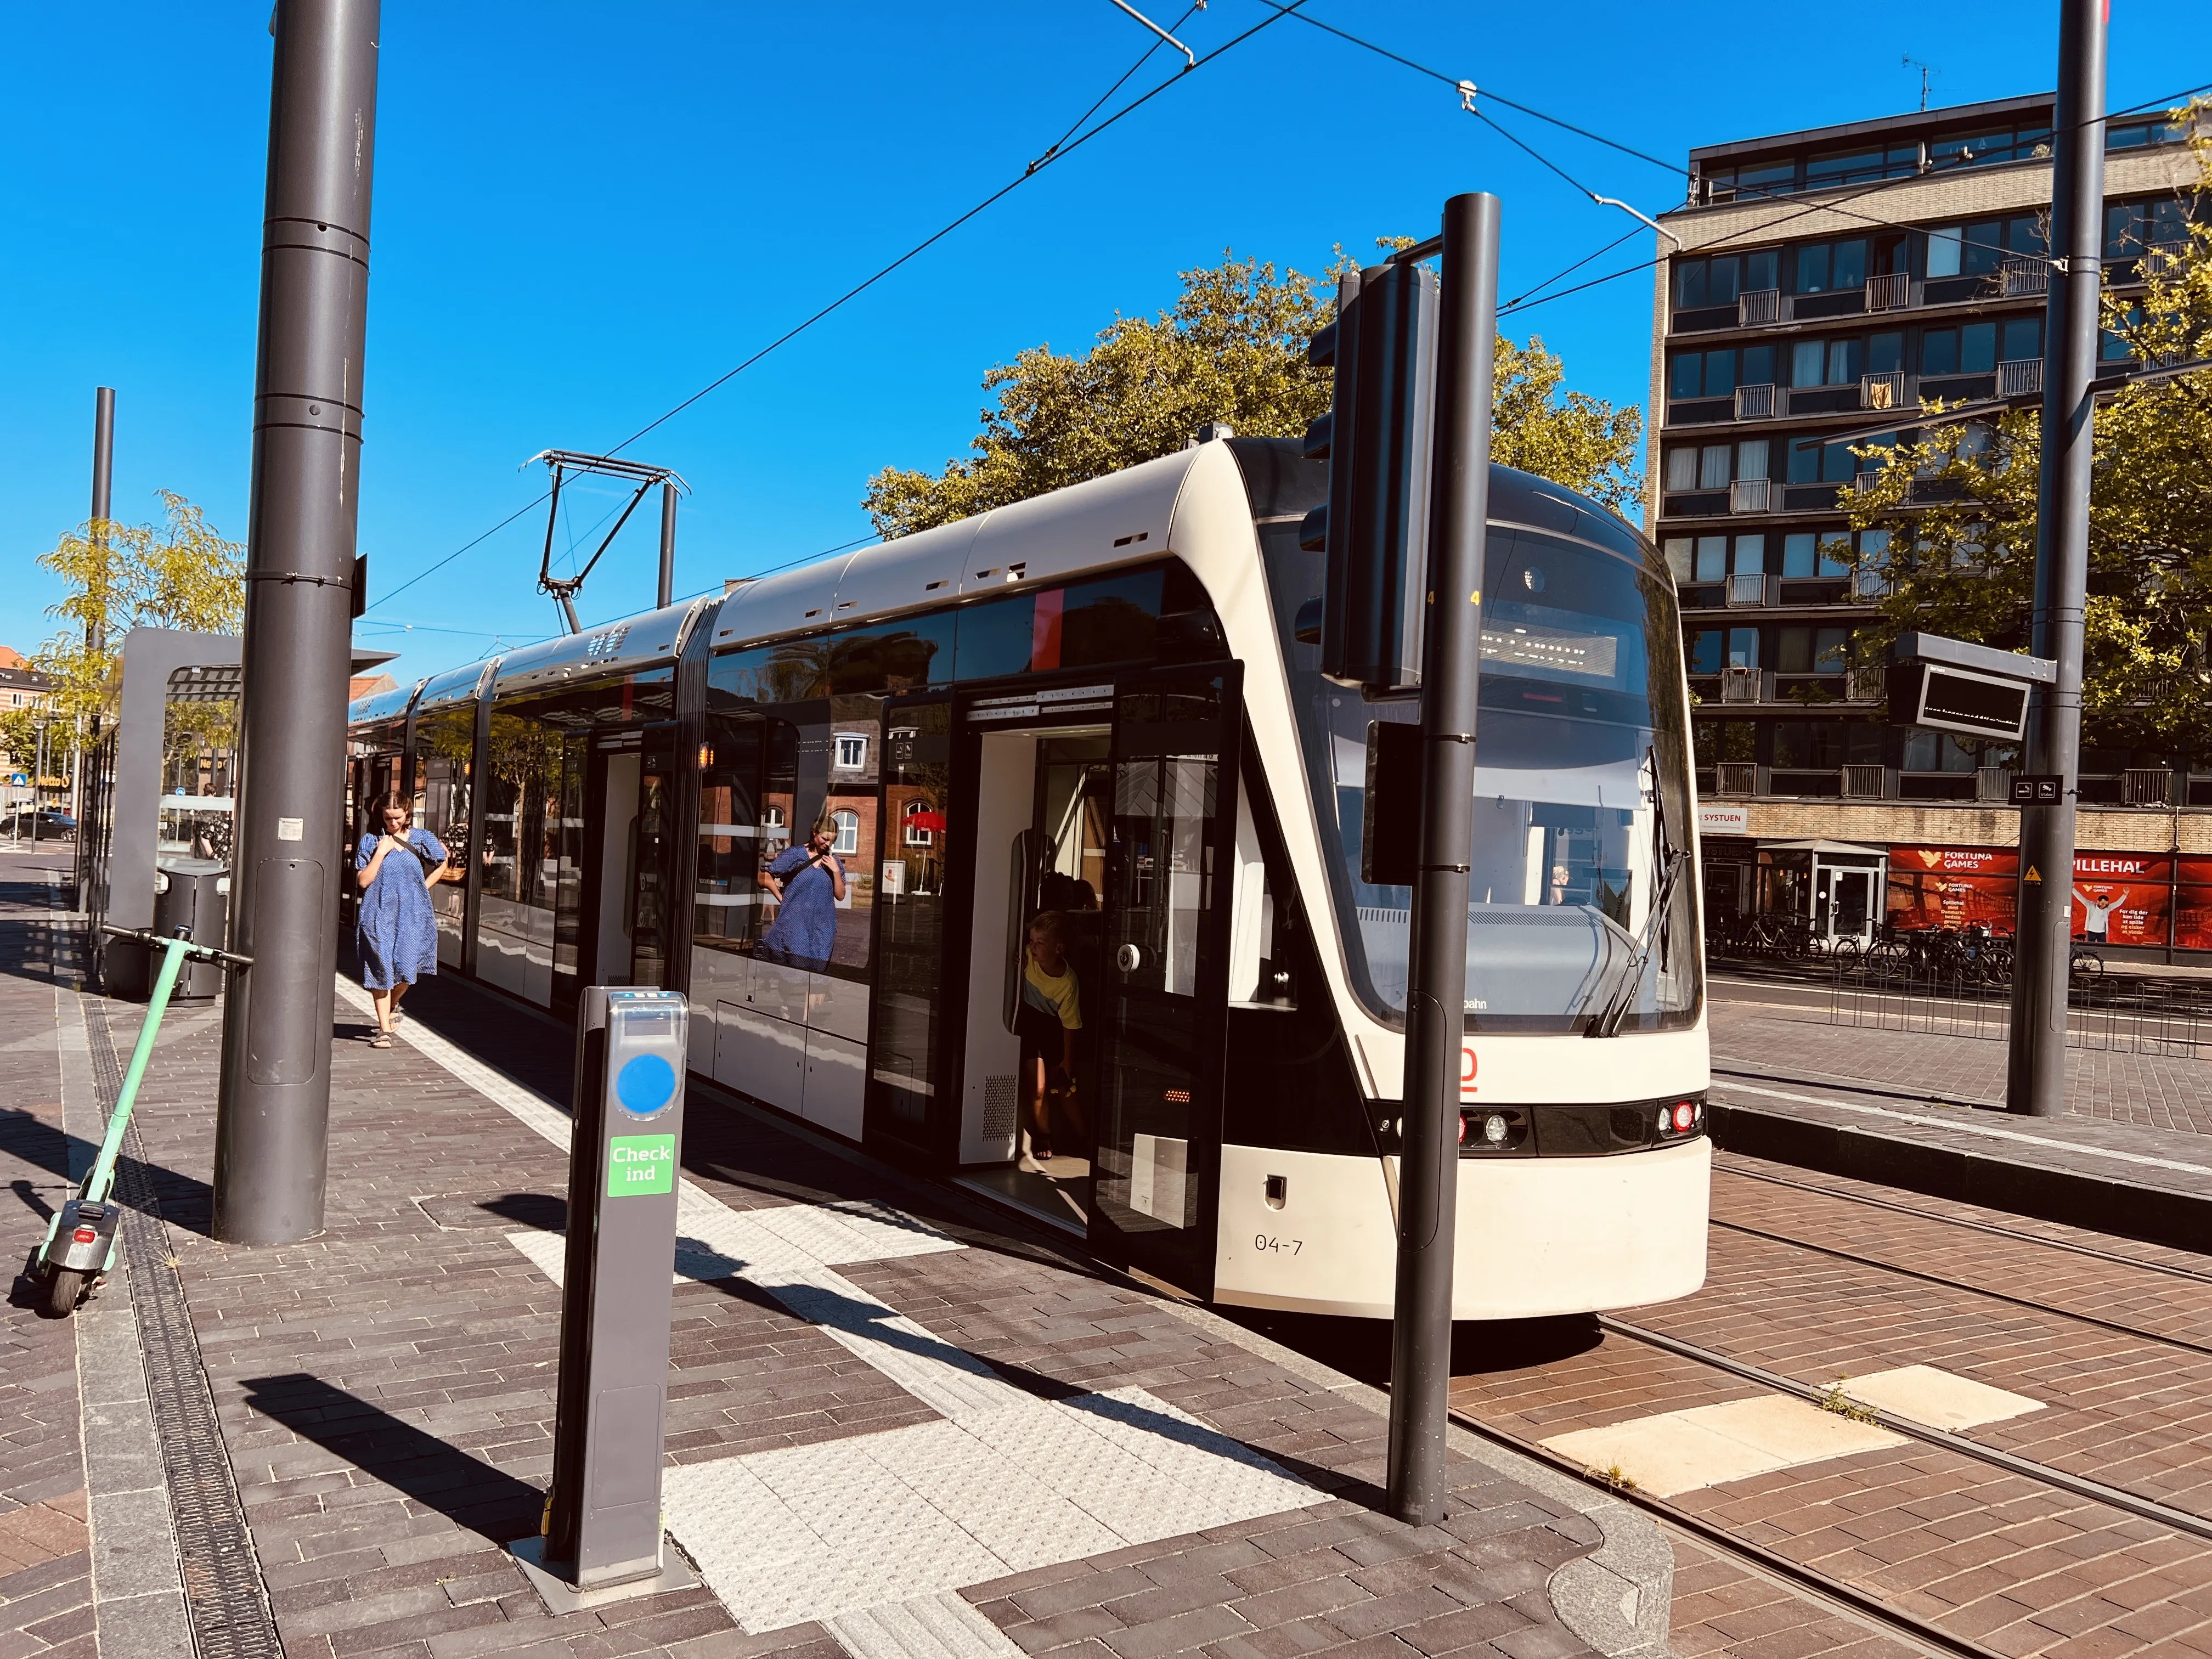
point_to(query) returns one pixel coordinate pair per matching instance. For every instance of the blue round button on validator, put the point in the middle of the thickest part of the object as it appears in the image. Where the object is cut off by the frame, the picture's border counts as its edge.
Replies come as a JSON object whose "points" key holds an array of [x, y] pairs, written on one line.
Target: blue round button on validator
{"points": [[646, 1083]]}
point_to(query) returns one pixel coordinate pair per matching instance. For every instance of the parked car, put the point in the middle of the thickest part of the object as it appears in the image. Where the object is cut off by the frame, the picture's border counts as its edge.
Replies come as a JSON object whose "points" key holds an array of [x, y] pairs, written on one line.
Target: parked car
{"points": [[52, 824]]}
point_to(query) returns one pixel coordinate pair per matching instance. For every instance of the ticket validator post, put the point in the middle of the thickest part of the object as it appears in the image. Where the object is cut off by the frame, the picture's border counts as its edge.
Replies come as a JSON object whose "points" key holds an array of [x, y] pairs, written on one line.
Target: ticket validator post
{"points": [[603, 1526]]}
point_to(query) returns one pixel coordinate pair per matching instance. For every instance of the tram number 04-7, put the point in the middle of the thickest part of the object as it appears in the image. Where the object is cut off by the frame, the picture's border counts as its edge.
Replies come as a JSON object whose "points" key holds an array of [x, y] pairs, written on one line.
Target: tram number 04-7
{"points": [[1262, 1242]]}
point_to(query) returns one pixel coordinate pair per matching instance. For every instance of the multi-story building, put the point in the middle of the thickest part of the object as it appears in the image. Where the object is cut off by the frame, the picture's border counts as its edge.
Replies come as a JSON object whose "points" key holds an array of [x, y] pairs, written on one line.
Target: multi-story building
{"points": [[1819, 278]]}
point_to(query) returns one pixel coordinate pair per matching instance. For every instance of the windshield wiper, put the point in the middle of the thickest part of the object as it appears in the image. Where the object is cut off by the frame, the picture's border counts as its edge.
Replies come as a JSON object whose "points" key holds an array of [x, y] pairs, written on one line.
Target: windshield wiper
{"points": [[1657, 922], [1606, 1021]]}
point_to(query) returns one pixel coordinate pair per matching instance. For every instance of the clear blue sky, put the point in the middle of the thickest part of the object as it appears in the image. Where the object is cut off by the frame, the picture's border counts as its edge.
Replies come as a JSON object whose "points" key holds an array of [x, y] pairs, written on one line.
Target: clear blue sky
{"points": [[584, 214]]}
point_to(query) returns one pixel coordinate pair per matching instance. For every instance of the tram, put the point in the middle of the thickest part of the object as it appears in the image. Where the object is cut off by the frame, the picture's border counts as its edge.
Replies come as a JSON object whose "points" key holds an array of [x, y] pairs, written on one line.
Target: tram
{"points": [[1101, 703]]}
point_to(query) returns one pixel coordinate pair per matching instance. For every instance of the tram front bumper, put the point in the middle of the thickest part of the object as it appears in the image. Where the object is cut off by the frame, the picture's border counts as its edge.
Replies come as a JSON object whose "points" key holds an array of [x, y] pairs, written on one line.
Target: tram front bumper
{"points": [[1535, 1235]]}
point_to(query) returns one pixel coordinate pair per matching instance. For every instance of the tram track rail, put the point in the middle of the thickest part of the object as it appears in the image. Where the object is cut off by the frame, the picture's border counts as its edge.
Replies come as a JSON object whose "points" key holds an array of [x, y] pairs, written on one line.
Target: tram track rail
{"points": [[2070, 1246], [1848, 1600], [1858, 1259], [2096, 1492]]}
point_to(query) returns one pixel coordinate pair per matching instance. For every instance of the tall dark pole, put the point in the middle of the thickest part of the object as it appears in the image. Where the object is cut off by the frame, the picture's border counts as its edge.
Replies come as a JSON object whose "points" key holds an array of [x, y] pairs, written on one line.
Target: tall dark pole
{"points": [[2035, 1081], [667, 590], [103, 489], [95, 628], [270, 1124], [1436, 987]]}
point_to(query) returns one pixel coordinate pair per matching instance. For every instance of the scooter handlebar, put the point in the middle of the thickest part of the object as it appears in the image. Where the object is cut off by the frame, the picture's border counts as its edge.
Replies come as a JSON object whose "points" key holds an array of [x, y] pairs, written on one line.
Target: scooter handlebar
{"points": [[152, 941]]}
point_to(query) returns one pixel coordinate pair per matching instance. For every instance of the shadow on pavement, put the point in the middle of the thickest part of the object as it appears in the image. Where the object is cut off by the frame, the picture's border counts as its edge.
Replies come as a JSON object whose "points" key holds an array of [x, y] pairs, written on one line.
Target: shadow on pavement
{"points": [[464, 1488]]}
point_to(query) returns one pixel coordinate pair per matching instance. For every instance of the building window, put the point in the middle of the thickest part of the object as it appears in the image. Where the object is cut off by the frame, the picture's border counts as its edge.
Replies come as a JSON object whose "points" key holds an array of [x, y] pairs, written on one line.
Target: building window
{"points": [[2028, 142], [1832, 267], [1713, 373], [1679, 558], [1743, 647], [1811, 650], [852, 751], [1712, 558], [2023, 338], [918, 834], [849, 832], [1815, 553], [1713, 467], [1812, 461], [1719, 280], [1682, 469], [1750, 558]]}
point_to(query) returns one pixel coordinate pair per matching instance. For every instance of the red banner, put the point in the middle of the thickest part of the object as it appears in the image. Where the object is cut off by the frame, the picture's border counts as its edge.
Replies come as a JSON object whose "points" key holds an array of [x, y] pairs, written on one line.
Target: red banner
{"points": [[2122, 898], [1955, 860]]}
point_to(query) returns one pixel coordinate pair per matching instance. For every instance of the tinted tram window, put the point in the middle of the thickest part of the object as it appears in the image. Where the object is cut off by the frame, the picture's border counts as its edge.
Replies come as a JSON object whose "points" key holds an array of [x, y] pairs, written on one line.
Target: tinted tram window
{"points": [[1582, 786]]}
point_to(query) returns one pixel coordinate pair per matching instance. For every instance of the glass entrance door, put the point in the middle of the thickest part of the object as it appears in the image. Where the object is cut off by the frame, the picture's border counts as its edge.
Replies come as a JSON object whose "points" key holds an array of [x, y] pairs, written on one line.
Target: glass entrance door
{"points": [[1165, 991], [650, 857], [912, 941]]}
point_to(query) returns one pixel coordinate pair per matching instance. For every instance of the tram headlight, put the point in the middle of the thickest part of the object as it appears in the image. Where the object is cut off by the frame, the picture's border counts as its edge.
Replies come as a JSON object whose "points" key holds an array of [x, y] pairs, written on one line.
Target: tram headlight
{"points": [[1486, 1131], [1494, 1128]]}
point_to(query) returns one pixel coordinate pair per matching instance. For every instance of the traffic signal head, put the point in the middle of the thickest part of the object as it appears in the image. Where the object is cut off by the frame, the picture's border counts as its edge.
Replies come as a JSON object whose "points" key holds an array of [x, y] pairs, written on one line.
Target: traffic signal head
{"points": [[1376, 438]]}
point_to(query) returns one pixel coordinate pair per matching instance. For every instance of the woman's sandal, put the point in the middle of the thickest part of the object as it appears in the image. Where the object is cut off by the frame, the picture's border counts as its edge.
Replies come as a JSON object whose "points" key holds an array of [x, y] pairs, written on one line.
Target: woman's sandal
{"points": [[379, 1040]]}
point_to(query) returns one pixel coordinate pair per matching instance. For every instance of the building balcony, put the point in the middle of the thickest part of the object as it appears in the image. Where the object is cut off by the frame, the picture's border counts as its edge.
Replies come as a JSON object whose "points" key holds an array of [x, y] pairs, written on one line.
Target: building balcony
{"points": [[2162, 258], [1865, 782], [1751, 495], [1755, 403], [1992, 783], [1890, 293], [1759, 307], [1865, 686], [1882, 391], [2147, 785], [2019, 377], [1869, 585], [1746, 588], [1748, 685], [2024, 276], [1736, 778]]}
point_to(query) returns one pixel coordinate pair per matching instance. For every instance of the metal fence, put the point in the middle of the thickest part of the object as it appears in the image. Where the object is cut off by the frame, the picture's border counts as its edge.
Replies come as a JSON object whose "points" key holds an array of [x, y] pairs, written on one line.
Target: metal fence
{"points": [[2115, 1012]]}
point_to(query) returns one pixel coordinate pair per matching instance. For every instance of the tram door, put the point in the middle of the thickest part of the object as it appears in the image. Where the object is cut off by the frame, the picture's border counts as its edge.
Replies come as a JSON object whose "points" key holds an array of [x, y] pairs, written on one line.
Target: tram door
{"points": [[1163, 1003], [629, 843]]}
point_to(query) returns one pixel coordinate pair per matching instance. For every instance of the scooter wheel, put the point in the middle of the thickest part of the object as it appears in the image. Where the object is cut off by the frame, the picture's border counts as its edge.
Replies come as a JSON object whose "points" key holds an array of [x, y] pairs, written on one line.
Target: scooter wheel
{"points": [[65, 1290]]}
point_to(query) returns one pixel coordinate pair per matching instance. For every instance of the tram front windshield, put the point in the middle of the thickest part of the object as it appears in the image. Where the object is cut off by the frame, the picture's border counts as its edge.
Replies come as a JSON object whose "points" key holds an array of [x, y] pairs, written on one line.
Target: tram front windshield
{"points": [[1582, 789]]}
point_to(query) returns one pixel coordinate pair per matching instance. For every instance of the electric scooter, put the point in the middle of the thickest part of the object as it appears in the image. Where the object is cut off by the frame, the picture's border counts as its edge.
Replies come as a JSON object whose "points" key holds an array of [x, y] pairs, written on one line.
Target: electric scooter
{"points": [[79, 1245]]}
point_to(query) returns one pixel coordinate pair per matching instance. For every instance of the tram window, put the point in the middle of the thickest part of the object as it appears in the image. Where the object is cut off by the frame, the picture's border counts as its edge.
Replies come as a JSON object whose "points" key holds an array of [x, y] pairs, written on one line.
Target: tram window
{"points": [[1582, 737], [730, 829]]}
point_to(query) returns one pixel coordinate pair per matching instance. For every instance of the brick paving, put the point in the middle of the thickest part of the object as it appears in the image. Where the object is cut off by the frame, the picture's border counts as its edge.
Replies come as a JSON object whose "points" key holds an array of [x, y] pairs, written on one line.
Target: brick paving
{"points": [[2169, 1092], [385, 1394], [45, 1561], [1722, 1607], [2005, 1560]]}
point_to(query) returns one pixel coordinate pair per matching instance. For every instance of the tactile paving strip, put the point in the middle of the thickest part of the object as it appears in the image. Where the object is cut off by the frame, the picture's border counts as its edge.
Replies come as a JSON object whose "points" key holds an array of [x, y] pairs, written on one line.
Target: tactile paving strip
{"points": [[225, 1599]]}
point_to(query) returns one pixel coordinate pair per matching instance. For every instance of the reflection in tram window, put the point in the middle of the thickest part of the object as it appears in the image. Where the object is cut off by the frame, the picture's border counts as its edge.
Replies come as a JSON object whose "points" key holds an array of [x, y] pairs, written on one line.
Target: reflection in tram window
{"points": [[1580, 671], [917, 783], [444, 745]]}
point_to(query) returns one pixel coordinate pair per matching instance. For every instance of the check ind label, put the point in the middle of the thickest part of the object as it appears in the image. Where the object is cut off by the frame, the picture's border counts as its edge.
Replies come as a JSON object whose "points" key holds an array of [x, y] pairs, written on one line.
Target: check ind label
{"points": [[640, 1165]]}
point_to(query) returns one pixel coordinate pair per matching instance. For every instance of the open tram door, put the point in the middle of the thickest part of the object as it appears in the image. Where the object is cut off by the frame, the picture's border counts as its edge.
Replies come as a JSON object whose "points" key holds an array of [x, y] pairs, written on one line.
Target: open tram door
{"points": [[1161, 1011]]}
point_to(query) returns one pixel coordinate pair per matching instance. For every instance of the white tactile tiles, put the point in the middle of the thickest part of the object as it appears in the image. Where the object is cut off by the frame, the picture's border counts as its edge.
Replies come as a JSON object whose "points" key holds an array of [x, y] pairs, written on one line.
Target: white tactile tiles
{"points": [[940, 1627], [887, 1517], [874, 1533]]}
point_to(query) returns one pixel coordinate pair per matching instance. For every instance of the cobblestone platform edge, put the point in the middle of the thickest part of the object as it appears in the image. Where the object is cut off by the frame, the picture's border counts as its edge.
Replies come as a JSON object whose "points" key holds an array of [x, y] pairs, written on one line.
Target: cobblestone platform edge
{"points": [[1619, 1598], [2075, 1198]]}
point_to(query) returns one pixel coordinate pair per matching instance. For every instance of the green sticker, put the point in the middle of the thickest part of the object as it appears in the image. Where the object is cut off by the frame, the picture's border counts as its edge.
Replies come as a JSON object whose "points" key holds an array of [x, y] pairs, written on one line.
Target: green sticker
{"points": [[639, 1164]]}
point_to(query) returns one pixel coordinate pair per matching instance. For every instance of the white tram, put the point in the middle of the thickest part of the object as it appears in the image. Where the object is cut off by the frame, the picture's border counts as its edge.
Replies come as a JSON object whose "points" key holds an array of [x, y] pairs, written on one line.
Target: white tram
{"points": [[1103, 692]]}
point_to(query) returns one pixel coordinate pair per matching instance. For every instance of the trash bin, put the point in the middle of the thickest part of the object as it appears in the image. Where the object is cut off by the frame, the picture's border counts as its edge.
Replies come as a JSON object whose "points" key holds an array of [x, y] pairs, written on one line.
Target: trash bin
{"points": [[192, 893]]}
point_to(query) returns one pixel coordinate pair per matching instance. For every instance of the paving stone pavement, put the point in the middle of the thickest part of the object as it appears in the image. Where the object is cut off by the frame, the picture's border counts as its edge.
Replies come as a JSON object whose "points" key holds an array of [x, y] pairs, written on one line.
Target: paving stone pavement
{"points": [[45, 1560], [385, 1394], [1803, 1284], [2167, 1092]]}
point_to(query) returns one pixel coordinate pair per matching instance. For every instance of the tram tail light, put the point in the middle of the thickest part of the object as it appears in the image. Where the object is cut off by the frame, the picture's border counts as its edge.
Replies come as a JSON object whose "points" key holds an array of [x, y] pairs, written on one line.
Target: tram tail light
{"points": [[1681, 1117]]}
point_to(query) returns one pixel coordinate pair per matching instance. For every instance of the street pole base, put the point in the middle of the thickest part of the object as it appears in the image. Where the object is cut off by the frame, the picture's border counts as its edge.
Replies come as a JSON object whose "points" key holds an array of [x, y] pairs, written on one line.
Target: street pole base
{"points": [[561, 1597]]}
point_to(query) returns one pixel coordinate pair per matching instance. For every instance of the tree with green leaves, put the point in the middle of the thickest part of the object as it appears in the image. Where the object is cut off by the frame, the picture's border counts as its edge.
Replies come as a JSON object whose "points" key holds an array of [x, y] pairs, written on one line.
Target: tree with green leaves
{"points": [[1957, 504], [116, 577], [1231, 349]]}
